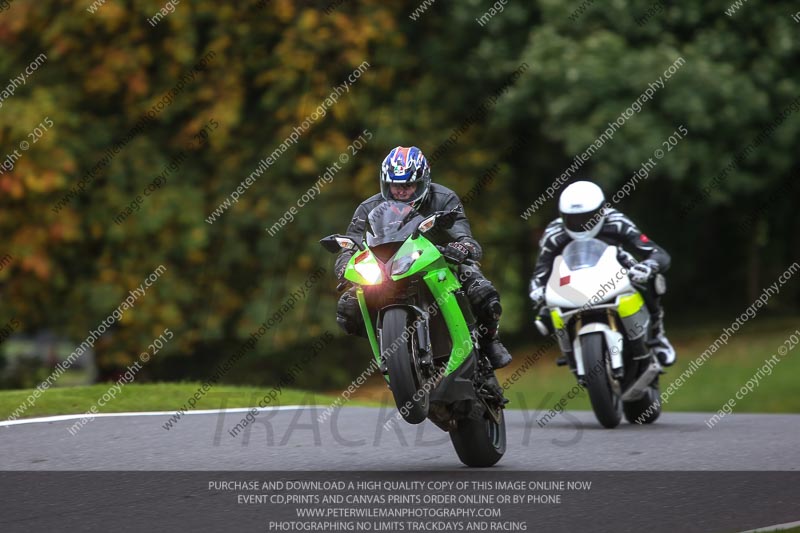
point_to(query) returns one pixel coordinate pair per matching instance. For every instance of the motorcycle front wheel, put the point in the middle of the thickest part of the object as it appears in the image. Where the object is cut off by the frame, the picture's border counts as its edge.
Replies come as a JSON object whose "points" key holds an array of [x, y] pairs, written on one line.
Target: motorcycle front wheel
{"points": [[606, 404], [405, 377]]}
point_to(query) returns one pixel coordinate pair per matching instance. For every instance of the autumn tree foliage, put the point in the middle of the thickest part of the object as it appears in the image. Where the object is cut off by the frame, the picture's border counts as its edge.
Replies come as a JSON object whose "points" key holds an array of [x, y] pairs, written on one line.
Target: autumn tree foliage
{"points": [[163, 123]]}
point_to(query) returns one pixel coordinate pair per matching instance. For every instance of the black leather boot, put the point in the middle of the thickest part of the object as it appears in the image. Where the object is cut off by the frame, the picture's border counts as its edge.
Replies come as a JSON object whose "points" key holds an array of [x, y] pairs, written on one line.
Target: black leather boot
{"points": [[493, 349], [665, 353]]}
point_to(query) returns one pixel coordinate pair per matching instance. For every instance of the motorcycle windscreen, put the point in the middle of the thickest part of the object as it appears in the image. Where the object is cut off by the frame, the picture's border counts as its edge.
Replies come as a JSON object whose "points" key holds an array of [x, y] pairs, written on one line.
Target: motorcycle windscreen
{"points": [[597, 278], [391, 222], [583, 254]]}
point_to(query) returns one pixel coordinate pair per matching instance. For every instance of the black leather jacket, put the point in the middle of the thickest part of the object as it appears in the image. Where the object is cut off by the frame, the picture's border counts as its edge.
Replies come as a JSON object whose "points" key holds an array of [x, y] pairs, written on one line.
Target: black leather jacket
{"points": [[617, 229], [439, 198]]}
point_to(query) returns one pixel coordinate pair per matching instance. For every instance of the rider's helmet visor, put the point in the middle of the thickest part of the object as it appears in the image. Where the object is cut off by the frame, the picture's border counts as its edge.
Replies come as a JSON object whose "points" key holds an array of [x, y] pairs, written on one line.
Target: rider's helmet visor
{"points": [[580, 222]]}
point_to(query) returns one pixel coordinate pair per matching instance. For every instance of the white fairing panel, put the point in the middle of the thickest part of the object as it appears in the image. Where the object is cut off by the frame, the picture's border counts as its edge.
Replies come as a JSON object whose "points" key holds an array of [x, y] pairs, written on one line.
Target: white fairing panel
{"points": [[601, 283]]}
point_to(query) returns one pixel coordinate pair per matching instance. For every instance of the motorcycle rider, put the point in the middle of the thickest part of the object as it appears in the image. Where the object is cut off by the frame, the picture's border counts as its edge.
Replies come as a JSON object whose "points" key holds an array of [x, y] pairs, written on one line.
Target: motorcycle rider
{"points": [[585, 215], [405, 176]]}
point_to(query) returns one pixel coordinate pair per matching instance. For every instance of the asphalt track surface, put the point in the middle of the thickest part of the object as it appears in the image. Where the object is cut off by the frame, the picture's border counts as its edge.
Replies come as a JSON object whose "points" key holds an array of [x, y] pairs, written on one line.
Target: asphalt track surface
{"points": [[355, 439], [676, 474]]}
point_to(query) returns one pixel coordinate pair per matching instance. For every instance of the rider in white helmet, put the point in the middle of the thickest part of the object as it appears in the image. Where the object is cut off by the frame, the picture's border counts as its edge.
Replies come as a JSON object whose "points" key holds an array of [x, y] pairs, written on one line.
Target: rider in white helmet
{"points": [[585, 215]]}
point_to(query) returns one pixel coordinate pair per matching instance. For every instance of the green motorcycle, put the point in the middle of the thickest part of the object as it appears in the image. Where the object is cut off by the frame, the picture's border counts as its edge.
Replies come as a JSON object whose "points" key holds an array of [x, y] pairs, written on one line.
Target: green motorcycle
{"points": [[422, 330]]}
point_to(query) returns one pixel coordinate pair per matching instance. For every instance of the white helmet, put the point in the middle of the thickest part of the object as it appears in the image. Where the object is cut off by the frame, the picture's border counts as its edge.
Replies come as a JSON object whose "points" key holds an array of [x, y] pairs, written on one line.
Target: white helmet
{"points": [[581, 209]]}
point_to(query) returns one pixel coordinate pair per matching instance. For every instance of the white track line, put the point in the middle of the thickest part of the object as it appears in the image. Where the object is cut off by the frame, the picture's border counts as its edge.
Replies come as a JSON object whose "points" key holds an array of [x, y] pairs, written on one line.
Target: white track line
{"points": [[60, 418], [776, 527]]}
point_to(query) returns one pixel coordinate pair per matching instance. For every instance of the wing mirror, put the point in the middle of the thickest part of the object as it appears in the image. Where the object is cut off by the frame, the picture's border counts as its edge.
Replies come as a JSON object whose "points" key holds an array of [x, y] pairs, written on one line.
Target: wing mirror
{"points": [[425, 225], [443, 219], [446, 219], [335, 243]]}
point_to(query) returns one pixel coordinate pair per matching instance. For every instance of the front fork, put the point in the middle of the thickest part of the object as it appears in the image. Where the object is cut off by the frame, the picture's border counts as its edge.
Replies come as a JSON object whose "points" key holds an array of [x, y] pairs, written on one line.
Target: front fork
{"points": [[451, 302], [634, 323], [370, 327], [570, 344]]}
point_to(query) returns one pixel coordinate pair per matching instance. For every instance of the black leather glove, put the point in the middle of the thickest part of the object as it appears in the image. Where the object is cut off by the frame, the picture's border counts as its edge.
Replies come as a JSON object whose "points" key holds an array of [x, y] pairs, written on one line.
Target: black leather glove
{"points": [[457, 252]]}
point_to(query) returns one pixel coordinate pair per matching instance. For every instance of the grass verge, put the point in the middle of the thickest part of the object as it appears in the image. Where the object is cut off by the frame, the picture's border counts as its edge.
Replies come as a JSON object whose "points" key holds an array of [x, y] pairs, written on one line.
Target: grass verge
{"points": [[150, 397], [539, 388], [706, 390]]}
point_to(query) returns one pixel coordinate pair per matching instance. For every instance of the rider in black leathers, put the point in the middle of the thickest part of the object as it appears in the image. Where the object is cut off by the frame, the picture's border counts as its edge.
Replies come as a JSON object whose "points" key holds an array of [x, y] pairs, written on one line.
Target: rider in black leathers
{"points": [[584, 215], [405, 177]]}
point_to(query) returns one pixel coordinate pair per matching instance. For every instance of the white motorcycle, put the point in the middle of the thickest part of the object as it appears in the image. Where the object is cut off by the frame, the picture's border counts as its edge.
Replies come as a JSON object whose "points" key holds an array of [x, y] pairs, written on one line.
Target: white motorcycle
{"points": [[603, 329]]}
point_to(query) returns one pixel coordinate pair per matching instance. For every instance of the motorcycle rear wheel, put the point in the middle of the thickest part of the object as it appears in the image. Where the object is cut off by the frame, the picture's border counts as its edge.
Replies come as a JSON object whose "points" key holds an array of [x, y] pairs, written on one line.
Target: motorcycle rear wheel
{"points": [[480, 443], [646, 409]]}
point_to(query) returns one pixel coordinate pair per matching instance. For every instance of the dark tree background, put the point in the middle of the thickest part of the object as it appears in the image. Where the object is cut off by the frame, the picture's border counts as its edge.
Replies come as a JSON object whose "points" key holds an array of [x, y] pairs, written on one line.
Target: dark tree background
{"points": [[438, 75]]}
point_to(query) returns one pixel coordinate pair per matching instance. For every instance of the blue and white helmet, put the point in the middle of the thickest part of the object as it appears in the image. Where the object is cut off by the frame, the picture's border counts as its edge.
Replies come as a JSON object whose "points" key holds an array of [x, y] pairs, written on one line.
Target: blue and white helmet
{"points": [[406, 166]]}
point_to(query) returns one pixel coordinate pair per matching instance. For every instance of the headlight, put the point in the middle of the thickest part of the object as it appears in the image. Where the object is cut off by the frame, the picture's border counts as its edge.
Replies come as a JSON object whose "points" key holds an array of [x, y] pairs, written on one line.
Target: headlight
{"points": [[370, 272], [402, 265]]}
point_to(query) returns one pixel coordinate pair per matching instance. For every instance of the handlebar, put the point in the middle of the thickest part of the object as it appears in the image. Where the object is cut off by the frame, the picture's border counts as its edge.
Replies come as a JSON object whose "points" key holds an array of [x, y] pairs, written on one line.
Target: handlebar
{"points": [[626, 258]]}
